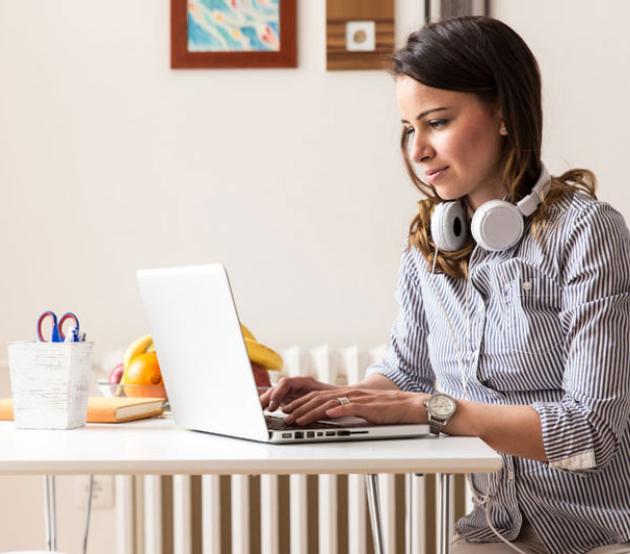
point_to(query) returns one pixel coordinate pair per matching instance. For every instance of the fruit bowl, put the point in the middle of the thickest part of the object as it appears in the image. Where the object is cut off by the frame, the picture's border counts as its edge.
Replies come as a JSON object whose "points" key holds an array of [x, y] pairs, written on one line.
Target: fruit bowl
{"points": [[143, 391]]}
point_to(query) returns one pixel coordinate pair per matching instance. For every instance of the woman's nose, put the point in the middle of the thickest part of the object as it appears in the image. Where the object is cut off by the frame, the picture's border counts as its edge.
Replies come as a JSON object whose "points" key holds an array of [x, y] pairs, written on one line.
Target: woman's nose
{"points": [[419, 149]]}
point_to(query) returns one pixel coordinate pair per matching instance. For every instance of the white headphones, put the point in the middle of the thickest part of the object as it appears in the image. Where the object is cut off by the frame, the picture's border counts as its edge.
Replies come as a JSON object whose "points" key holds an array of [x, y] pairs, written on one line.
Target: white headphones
{"points": [[496, 225]]}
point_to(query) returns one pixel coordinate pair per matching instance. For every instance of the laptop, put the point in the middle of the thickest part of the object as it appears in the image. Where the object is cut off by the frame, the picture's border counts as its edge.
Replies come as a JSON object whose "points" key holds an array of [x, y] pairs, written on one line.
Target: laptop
{"points": [[206, 370]]}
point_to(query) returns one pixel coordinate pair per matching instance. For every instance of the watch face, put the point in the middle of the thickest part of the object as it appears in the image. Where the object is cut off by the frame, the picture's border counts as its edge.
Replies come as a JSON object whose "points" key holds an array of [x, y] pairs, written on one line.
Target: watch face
{"points": [[442, 406]]}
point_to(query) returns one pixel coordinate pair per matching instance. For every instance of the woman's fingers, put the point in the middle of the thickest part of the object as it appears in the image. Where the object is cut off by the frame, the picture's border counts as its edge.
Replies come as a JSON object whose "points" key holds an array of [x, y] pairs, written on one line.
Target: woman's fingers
{"points": [[289, 388], [264, 398], [317, 396], [282, 389], [316, 411], [291, 404], [382, 408], [311, 409], [345, 410], [302, 406], [379, 407]]}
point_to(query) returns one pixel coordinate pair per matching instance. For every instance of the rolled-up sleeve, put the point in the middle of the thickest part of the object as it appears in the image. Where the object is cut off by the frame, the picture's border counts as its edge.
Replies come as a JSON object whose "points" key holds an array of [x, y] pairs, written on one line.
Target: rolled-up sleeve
{"points": [[407, 360], [582, 432]]}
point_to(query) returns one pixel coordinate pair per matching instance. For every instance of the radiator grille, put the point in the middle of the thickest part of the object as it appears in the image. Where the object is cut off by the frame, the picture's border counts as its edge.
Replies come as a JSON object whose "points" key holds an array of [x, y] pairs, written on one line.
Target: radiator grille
{"points": [[278, 514]]}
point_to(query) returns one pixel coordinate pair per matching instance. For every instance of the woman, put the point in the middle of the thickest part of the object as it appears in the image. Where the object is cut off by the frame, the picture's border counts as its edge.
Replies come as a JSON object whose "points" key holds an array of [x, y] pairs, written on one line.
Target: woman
{"points": [[524, 330]]}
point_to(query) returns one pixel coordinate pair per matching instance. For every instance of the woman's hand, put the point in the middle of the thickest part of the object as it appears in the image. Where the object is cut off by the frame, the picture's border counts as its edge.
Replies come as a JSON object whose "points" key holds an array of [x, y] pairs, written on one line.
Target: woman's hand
{"points": [[375, 406], [288, 389]]}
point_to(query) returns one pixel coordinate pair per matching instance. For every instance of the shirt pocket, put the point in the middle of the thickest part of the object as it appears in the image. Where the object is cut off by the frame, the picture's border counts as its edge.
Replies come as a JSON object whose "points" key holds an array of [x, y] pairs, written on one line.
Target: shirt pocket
{"points": [[529, 315]]}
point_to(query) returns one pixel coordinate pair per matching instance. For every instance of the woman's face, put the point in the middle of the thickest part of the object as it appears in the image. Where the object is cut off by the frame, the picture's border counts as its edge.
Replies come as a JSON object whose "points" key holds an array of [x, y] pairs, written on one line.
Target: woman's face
{"points": [[455, 140]]}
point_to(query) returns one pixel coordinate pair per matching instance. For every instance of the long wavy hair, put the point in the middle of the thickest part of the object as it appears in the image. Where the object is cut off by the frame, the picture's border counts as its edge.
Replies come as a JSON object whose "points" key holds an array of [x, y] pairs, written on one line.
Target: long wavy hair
{"points": [[483, 56]]}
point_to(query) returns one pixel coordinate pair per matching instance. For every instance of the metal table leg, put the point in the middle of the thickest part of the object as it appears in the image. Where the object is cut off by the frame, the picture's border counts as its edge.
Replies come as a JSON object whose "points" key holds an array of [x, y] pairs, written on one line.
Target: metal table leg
{"points": [[444, 480], [411, 519], [371, 486], [50, 512], [408, 513]]}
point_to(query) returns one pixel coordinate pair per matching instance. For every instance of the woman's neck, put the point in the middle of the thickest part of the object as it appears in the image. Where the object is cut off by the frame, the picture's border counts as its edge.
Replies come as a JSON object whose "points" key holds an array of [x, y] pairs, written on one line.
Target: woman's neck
{"points": [[477, 198]]}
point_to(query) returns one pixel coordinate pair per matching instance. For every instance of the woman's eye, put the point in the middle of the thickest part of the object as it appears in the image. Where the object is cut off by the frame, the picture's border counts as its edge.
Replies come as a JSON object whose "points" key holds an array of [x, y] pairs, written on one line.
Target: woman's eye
{"points": [[408, 130], [438, 123]]}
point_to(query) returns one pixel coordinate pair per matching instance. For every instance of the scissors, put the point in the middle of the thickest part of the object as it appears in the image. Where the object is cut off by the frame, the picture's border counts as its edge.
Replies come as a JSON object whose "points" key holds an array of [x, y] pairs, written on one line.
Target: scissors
{"points": [[57, 329]]}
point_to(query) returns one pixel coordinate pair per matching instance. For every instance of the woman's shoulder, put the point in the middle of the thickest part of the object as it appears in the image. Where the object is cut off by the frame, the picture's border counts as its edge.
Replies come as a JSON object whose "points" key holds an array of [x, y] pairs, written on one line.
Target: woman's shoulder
{"points": [[575, 210], [586, 233]]}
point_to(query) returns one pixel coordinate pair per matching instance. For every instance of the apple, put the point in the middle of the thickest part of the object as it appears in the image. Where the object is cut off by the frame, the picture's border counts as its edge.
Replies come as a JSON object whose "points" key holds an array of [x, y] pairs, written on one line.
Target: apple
{"points": [[261, 375], [116, 374]]}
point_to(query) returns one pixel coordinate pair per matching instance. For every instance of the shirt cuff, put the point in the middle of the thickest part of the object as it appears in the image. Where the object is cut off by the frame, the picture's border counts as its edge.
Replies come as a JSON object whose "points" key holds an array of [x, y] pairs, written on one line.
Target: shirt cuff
{"points": [[567, 437]]}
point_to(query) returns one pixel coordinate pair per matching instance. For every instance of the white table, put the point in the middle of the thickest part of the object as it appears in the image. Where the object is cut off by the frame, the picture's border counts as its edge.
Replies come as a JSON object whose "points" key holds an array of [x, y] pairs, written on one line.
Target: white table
{"points": [[140, 447]]}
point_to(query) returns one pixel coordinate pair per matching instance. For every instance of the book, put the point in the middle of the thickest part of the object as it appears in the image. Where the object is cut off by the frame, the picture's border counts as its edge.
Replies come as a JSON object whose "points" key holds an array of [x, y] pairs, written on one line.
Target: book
{"points": [[103, 409]]}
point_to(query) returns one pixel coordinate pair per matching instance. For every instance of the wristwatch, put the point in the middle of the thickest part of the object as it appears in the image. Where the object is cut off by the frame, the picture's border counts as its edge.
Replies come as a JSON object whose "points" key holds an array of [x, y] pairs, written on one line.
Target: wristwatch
{"points": [[440, 408]]}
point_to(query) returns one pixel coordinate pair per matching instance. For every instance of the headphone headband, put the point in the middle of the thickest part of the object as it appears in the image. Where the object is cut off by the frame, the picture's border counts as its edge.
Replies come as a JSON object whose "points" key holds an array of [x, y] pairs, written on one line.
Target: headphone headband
{"points": [[527, 205], [496, 225]]}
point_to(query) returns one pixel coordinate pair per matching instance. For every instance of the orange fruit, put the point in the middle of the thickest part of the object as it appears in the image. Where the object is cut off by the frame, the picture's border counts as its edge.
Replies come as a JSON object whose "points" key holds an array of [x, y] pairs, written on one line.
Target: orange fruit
{"points": [[143, 372]]}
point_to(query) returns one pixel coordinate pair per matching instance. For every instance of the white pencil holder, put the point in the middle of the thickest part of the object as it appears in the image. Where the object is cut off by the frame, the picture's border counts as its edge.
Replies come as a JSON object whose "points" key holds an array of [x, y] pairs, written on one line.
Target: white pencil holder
{"points": [[50, 383]]}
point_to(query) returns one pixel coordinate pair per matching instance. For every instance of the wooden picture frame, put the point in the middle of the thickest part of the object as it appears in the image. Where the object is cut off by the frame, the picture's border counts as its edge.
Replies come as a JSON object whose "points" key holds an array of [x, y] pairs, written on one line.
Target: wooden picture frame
{"points": [[183, 58], [359, 34]]}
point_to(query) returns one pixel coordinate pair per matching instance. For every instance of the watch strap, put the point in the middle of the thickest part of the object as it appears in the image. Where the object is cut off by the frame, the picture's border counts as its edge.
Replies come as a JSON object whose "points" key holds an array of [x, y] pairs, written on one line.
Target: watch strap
{"points": [[436, 425]]}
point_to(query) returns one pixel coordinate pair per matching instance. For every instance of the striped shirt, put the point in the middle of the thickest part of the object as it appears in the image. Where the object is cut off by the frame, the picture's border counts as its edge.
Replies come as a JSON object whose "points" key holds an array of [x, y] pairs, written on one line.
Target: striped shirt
{"points": [[547, 325]]}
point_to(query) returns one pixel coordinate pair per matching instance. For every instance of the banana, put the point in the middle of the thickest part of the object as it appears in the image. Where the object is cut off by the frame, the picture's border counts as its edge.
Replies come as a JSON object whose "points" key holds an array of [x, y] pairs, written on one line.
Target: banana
{"points": [[261, 354], [257, 352], [137, 347], [247, 333]]}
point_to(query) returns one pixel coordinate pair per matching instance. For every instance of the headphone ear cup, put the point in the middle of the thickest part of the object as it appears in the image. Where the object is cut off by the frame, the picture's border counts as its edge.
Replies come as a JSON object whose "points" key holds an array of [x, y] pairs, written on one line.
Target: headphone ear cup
{"points": [[497, 225], [449, 226]]}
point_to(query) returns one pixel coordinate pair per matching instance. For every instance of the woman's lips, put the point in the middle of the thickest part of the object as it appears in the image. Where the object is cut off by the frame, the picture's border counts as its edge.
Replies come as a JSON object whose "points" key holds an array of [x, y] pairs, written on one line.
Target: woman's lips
{"points": [[434, 176]]}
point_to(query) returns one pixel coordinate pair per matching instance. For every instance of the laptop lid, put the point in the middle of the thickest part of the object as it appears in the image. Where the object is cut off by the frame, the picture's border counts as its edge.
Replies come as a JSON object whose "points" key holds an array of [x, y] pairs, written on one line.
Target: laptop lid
{"points": [[202, 354]]}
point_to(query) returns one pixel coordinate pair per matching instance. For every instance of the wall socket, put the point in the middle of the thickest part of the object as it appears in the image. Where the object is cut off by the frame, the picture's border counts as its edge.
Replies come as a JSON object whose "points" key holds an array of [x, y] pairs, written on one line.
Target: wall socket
{"points": [[102, 491]]}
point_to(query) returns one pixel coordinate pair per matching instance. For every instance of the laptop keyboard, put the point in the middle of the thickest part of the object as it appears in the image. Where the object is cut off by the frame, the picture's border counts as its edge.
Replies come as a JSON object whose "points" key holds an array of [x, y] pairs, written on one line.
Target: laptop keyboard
{"points": [[278, 424]]}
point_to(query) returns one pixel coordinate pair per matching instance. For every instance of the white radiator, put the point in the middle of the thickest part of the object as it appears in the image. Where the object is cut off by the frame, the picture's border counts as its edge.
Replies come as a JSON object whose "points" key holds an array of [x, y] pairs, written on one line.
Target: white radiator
{"points": [[185, 515]]}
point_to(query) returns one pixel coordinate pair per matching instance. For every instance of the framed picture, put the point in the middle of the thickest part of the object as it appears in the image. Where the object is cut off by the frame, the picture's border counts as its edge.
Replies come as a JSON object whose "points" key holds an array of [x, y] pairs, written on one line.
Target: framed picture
{"points": [[435, 10], [233, 33], [359, 34]]}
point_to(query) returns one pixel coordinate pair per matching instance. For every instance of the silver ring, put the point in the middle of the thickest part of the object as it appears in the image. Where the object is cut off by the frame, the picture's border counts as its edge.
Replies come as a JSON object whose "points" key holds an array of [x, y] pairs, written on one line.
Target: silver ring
{"points": [[343, 400]]}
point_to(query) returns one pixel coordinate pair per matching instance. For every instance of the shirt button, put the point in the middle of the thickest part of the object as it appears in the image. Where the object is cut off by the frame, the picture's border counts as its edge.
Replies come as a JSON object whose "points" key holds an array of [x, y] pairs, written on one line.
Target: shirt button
{"points": [[527, 285]]}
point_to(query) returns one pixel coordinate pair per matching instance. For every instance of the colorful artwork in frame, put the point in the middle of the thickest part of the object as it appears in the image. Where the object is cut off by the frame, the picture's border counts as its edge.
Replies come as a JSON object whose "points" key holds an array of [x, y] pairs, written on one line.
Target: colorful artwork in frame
{"points": [[233, 33]]}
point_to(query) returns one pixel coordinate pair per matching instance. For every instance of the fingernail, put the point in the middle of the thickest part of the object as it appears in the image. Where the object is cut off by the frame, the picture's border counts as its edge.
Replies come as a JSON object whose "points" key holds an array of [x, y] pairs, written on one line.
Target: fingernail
{"points": [[272, 405], [288, 419]]}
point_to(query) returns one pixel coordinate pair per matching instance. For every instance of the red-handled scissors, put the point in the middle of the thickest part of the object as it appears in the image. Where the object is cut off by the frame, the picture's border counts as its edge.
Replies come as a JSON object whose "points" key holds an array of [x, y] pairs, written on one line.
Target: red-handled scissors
{"points": [[58, 334]]}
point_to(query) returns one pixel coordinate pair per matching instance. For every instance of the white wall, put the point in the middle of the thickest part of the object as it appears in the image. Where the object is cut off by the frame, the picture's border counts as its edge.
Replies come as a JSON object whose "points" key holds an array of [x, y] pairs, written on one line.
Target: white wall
{"points": [[111, 161], [583, 49]]}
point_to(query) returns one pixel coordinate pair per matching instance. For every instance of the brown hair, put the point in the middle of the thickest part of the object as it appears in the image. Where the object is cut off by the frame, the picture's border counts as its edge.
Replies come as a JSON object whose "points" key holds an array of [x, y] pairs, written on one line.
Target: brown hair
{"points": [[483, 56]]}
